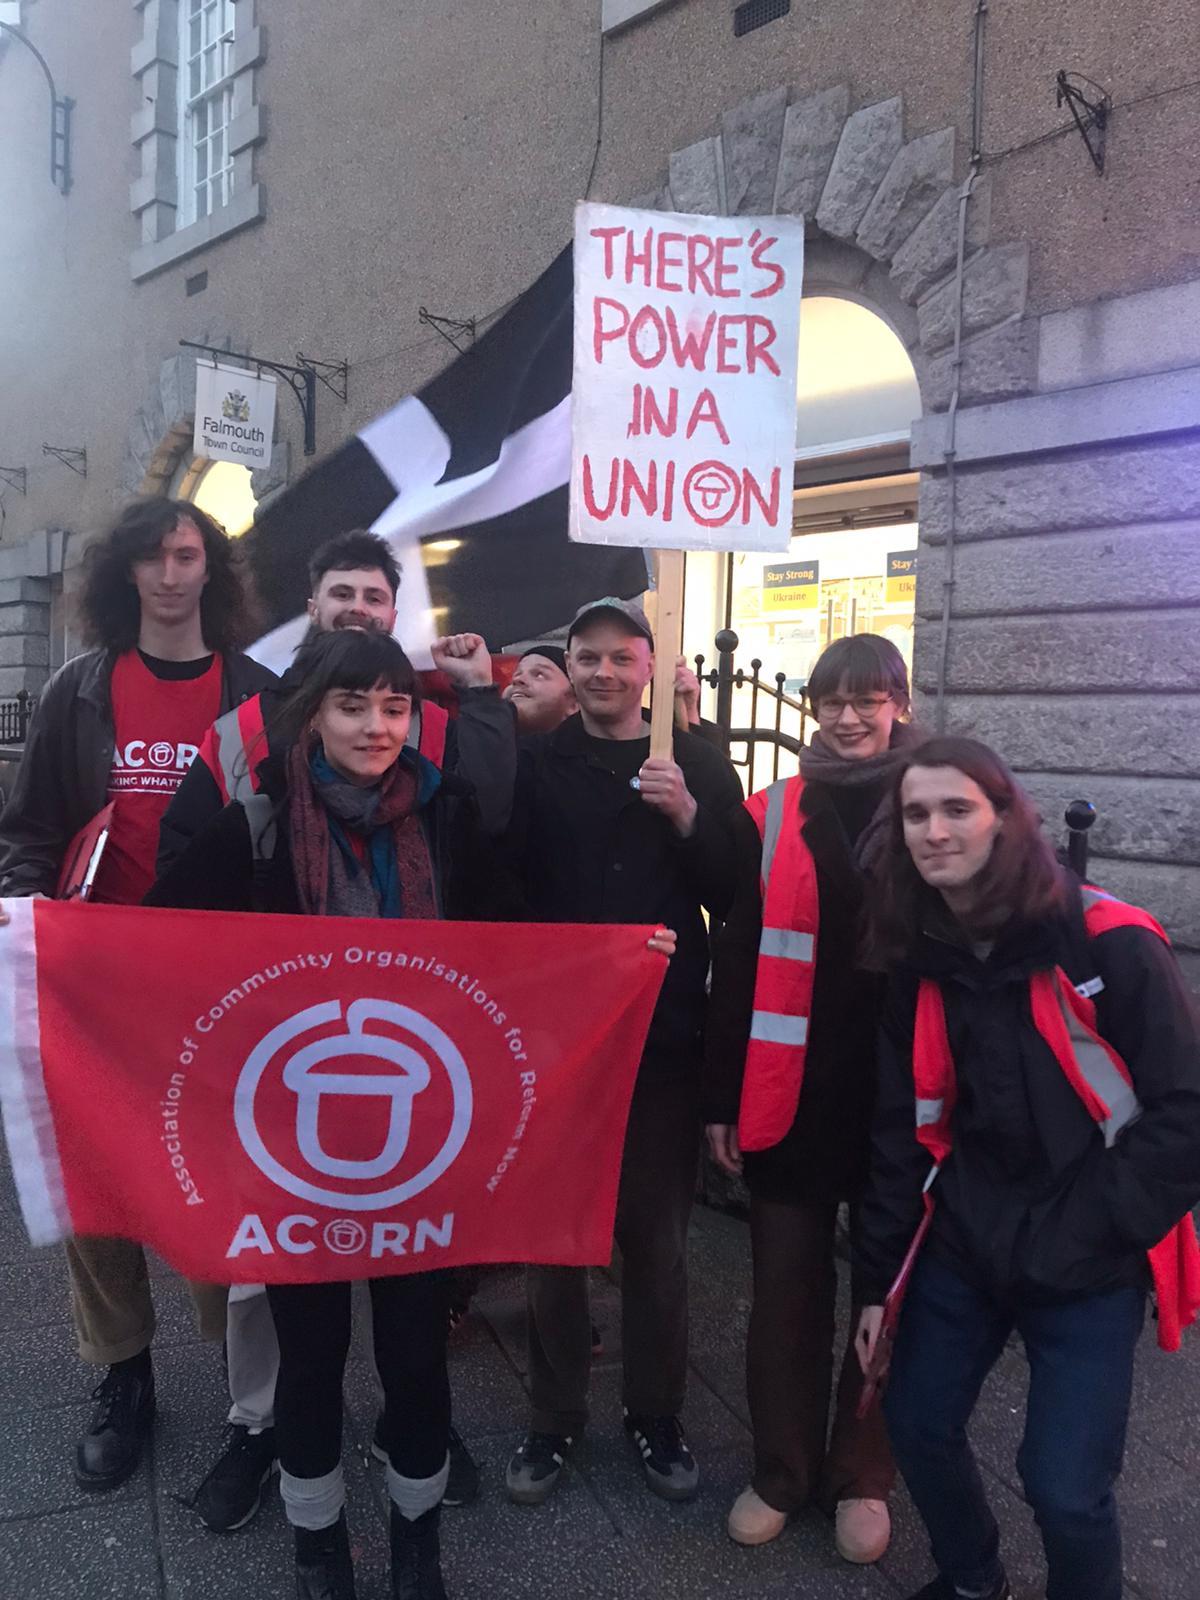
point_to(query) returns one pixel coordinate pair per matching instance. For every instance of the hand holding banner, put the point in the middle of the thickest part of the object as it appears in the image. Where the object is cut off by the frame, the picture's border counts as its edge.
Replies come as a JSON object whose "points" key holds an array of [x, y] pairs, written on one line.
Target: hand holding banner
{"points": [[307, 1099]]}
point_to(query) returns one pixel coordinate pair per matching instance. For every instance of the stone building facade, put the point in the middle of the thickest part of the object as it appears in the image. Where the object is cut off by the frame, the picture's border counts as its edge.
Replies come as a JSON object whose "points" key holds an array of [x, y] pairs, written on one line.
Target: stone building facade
{"points": [[383, 159]]}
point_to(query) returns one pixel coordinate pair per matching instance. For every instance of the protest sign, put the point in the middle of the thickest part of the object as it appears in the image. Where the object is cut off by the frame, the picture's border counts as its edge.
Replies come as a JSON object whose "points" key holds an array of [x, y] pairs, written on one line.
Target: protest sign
{"points": [[684, 395]]}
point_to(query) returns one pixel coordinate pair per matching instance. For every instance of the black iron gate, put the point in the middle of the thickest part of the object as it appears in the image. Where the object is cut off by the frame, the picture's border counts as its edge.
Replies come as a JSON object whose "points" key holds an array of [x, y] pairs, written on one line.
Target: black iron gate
{"points": [[764, 726], [14, 718]]}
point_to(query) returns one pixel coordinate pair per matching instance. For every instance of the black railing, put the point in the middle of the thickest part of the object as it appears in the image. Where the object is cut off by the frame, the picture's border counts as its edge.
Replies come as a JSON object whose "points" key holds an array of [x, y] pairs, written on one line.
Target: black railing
{"points": [[771, 724], [14, 717]]}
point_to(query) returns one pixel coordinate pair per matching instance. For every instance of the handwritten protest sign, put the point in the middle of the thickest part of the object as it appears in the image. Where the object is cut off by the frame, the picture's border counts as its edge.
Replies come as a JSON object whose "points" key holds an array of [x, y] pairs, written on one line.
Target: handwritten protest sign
{"points": [[684, 393]]}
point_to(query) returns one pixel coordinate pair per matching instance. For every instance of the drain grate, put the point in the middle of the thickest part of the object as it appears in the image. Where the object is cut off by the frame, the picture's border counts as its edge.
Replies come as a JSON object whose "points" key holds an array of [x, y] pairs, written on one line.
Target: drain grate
{"points": [[755, 13]]}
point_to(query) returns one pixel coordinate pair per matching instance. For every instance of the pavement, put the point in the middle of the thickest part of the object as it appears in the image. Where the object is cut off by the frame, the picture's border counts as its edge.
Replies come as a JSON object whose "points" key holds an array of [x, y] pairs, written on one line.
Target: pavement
{"points": [[603, 1536]]}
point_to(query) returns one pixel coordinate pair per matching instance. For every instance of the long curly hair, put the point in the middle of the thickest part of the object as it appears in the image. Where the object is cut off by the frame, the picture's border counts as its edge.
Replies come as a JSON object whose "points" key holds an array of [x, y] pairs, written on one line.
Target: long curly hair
{"points": [[1021, 878], [109, 608]]}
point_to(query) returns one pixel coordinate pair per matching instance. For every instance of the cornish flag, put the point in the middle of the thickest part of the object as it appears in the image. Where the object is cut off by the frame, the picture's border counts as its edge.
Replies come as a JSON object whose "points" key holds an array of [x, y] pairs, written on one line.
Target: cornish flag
{"points": [[477, 462]]}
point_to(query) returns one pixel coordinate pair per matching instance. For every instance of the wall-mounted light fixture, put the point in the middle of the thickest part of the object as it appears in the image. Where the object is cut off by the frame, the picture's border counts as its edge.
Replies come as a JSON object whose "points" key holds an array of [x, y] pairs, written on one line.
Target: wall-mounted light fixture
{"points": [[60, 115]]}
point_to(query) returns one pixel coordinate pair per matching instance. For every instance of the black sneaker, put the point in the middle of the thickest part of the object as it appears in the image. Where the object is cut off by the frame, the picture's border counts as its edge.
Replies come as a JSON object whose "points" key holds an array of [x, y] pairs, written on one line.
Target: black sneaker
{"points": [[669, 1465], [111, 1448], [462, 1485], [536, 1467], [233, 1489], [943, 1589]]}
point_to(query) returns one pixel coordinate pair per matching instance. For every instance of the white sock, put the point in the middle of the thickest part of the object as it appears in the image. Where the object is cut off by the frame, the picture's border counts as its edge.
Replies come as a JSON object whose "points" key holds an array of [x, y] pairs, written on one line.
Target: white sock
{"points": [[313, 1503], [413, 1497]]}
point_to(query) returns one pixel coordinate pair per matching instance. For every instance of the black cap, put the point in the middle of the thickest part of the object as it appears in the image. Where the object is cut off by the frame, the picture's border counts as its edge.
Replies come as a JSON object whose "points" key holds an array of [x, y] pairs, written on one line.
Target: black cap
{"points": [[549, 652]]}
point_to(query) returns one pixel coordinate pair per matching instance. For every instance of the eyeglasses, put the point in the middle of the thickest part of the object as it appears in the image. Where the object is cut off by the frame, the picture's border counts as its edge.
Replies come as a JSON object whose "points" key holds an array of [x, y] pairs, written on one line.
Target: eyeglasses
{"points": [[867, 706]]}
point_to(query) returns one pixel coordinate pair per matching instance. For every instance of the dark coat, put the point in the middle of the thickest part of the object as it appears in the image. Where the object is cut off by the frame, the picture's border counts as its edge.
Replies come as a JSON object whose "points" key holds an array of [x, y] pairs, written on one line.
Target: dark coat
{"points": [[1030, 1205], [584, 847], [216, 870], [481, 748], [63, 778], [824, 1155]]}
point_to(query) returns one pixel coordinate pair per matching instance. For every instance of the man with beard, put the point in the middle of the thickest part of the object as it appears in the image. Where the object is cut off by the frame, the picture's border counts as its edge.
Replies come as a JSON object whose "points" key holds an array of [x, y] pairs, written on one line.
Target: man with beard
{"points": [[354, 580]]}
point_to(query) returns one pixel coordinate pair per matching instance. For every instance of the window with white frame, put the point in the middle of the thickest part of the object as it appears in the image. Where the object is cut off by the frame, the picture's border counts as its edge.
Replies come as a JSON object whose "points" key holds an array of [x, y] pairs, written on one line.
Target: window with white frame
{"points": [[206, 106], [197, 126]]}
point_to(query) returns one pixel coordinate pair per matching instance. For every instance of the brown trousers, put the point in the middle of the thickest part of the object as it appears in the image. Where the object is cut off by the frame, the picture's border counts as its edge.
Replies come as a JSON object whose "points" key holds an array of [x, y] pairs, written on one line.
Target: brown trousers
{"points": [[111, 1302], [798, 1458], [654, 1201]]}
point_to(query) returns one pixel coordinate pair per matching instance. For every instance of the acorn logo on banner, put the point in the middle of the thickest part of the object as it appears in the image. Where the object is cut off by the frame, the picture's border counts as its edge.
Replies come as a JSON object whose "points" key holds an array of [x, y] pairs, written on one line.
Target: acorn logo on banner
{"points": [[343, 1107]]}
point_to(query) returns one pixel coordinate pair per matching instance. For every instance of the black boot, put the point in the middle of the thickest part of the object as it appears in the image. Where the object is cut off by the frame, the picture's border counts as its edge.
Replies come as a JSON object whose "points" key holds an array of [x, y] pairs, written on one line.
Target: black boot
{"points": [[417, 1557], [323, 1567], [112, 1446]]}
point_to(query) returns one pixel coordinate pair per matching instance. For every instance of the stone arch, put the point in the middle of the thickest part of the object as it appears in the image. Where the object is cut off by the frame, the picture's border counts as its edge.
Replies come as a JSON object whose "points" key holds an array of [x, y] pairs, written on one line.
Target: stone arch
{"points": [[883, 219]]}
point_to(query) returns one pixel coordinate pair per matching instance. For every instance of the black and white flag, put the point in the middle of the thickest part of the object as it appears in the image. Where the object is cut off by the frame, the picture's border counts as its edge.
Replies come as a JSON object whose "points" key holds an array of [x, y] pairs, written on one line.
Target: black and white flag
{"points": [[476, 462]]}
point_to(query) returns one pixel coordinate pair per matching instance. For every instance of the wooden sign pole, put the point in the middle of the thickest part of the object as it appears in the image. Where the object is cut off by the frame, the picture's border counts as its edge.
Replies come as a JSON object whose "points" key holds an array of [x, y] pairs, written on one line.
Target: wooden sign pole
{"points": [[668, 641]]}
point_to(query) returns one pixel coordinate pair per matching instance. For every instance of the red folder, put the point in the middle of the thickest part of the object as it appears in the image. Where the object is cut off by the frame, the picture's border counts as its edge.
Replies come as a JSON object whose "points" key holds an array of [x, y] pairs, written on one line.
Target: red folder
{"points": [[80, 863], [877, 1367]]}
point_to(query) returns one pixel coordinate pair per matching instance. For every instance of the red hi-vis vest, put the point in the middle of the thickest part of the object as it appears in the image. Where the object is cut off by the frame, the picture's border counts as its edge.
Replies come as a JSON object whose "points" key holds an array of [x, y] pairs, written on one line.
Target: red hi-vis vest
{"points": [[237, 742], [783, 985], [1065, 1016]]}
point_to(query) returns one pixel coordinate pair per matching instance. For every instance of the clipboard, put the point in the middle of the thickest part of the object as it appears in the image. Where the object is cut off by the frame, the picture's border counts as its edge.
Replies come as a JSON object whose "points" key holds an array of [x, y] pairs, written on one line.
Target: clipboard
{"points": [[881, 1360], [82, 859]]}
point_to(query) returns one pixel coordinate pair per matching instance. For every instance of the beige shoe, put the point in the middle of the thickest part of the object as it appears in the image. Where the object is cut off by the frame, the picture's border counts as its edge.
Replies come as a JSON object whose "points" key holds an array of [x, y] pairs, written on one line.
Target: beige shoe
{"points": [[864, 1530], [753, 1521]]}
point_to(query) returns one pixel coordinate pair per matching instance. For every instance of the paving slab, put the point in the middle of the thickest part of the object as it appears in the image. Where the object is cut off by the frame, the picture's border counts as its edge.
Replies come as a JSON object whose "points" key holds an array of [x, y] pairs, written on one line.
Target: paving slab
{"points": [[602, 1537]]}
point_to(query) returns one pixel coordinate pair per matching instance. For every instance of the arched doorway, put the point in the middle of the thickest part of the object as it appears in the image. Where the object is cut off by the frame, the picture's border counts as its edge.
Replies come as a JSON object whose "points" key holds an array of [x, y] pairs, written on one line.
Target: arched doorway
{"points": [[851, 564]]}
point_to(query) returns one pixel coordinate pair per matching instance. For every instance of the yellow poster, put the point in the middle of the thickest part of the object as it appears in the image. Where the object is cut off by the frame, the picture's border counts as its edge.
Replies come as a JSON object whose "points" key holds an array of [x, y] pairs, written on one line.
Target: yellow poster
{"points": [[901, 578], [791, 588]]}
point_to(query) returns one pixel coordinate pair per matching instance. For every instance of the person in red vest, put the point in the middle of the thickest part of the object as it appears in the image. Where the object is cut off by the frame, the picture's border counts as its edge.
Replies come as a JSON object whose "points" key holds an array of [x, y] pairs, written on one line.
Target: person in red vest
{"points": [[789, 1086], [354, 579], [1041, 1054], [164, 606]]}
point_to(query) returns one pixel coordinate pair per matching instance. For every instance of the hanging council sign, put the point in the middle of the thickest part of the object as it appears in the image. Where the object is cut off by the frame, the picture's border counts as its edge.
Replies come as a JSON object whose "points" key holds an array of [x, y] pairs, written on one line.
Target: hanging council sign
{"points": [[235, 415], [684, 392]]}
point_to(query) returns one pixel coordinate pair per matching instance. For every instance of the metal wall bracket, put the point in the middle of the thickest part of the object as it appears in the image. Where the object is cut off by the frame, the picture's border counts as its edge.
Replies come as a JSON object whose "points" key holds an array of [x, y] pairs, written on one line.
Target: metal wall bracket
{"points": [[60, 116], [70, 457], [450, 328], [335, 375], [14, 477], [1091, 115], [301, 380]]}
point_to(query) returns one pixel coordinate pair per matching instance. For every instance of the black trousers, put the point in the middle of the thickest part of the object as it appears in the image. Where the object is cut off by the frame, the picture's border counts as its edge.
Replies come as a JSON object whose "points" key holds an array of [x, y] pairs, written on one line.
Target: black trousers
{"points": [[410, 1316], [654, 1201]]}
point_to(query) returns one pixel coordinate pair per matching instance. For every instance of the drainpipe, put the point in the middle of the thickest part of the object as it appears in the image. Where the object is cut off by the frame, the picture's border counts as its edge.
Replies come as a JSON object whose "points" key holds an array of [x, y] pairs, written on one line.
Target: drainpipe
{"points": [[949, 454]]}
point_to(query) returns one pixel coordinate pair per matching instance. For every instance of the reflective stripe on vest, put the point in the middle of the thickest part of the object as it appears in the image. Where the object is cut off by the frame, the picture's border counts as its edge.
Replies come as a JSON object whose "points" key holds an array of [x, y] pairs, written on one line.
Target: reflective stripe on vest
{"points": [[1066, 1020], [783, 985], [240, 740]]}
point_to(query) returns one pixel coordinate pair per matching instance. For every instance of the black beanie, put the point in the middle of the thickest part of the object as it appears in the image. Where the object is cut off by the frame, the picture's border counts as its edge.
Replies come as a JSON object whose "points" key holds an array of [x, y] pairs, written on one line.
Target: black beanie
{"points": [[552, 652]]}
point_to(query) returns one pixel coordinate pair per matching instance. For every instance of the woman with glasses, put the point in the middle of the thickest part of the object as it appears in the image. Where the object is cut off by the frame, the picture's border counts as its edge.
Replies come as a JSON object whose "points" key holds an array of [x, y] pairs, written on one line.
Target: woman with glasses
{"points": [[790, 1088]]}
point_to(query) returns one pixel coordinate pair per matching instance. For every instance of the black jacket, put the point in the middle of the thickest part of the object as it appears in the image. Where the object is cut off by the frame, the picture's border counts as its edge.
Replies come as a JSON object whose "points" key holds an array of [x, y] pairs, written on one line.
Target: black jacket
{"points": [[63, 778], [824, 1155], [583, 847], [216, 870], [1029, 1204], [481, 748]]}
